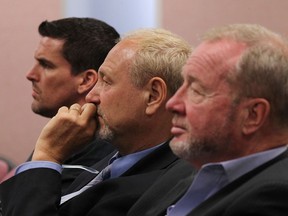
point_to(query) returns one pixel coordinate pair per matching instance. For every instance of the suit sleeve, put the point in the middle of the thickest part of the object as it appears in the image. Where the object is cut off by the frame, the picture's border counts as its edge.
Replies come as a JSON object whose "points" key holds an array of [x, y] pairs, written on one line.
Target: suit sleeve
{"points": [[34, 192]]}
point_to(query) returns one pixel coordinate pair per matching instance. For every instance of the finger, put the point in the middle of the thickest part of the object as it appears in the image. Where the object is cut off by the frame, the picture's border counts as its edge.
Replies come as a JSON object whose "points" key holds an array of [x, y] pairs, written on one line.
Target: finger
{"points": [[75, 108], [88, 110], [63, 109]]}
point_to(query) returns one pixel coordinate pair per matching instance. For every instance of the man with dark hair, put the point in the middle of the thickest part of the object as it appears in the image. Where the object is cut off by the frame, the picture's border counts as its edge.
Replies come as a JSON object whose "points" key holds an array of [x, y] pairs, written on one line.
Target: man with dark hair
{"points": [[86, 41], [68, 57]]}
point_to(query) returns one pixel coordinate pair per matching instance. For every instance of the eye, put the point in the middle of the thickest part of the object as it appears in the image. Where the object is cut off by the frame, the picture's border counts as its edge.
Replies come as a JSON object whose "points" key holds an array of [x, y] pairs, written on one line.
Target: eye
{"points": [[196, 93], [45, 64], [104, 79]]}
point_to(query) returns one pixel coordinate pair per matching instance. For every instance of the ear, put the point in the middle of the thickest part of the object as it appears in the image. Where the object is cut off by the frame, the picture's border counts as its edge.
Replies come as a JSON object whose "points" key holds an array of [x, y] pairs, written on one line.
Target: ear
{"points": [[156, 95], [87, 80], [256, 114]]}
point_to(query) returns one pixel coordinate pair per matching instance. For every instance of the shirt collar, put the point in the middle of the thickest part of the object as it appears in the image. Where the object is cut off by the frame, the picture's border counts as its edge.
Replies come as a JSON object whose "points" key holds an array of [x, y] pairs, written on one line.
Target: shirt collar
{"points": [[121, 164], [240, 166]]}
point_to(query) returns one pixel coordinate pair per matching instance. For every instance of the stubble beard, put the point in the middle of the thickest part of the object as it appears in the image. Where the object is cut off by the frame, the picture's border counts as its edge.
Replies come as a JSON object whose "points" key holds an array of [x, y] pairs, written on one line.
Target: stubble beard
{"points": [[103, 131], [193, 149], [207, 148], [45, 112]]}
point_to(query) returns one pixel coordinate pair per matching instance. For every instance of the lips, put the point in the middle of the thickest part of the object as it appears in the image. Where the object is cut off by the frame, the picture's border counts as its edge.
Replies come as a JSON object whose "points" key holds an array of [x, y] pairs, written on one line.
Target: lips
{"points": [[99, 117], [177, 128], [35, 89], [34, 93]]}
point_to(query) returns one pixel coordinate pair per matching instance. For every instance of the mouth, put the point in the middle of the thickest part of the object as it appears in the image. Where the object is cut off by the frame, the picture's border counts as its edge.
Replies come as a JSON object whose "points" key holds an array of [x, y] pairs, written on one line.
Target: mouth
{"points": [[35, 90], [177, 128], [98, 113], [99, 117], [34, 93]]}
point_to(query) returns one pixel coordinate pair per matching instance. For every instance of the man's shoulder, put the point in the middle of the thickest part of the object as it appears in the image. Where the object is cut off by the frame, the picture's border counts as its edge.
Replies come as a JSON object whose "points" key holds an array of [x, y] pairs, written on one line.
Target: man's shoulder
{"points": [[251, 191]]}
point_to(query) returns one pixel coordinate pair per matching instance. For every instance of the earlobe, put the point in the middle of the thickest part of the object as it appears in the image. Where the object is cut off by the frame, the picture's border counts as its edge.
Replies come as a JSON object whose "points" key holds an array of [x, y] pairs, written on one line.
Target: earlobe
{"points": [[87, 80], [156, 94], [258, 110]]}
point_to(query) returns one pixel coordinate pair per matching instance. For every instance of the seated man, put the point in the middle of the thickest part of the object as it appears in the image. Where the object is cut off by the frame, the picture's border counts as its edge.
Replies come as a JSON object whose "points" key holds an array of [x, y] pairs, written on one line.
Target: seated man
{"points": [[135, 81], [231, 123], [67, 59]]}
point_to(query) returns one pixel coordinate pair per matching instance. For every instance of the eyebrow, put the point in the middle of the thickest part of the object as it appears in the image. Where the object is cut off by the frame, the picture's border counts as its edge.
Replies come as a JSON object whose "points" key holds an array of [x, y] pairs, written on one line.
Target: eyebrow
{"points": [[191, 79], [101, 73], [43, 61]]}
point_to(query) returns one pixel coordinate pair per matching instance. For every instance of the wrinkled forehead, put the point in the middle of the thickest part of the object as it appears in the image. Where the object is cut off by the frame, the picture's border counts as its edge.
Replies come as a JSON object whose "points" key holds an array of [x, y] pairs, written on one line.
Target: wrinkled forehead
{"points": [[214, 58]]}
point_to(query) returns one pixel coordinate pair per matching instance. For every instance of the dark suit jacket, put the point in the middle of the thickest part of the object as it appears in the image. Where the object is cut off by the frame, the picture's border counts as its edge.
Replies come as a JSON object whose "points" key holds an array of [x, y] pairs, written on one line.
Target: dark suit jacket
{"points": [[37, 191], [165, 191], [91, 154], [263, 191]]}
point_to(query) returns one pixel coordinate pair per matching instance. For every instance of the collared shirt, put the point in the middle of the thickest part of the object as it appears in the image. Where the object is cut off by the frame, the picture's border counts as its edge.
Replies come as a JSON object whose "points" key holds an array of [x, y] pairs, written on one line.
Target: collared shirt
{"points": [[214, 176], [122, 163], [117, 166]]}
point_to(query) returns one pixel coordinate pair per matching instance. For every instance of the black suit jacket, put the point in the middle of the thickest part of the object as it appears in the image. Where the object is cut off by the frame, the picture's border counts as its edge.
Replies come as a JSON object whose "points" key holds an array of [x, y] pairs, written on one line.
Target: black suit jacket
{"points": [[165, 191], [91, 154], [263, 191], [37, 192]]}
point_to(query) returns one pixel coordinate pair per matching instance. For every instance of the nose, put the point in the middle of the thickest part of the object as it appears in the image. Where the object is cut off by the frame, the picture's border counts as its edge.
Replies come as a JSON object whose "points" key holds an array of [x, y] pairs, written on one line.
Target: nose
{"points": [[175, 104], [93, 95], [32, 74]]}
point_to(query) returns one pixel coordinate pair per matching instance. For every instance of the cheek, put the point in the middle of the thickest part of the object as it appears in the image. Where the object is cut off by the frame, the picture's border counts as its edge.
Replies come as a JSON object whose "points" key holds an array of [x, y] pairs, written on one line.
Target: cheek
{"points": [[197, 124], [56, 85], [121, 110], [203, 118]]}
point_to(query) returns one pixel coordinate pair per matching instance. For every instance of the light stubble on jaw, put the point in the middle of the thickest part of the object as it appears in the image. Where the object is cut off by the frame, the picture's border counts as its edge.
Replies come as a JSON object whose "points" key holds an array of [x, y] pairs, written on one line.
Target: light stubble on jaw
{"points": [[103, 131], [213, 145]]}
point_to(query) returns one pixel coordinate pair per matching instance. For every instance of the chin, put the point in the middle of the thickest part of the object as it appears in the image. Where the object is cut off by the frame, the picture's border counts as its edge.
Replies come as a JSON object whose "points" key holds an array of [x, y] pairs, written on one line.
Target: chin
{"points": [[179, 147], [105, 133]]}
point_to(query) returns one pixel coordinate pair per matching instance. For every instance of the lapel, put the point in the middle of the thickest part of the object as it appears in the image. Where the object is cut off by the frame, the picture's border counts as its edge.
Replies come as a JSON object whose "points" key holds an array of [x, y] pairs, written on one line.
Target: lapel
{"points": [[239, 186], [164, 192], [159, 159], [86, 177], [172, 196]]}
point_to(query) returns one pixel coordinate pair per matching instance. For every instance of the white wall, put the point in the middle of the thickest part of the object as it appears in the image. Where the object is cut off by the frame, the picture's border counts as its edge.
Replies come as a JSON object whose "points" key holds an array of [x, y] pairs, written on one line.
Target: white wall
{"points": [[19, 126], [190, 18], [123, 15]]}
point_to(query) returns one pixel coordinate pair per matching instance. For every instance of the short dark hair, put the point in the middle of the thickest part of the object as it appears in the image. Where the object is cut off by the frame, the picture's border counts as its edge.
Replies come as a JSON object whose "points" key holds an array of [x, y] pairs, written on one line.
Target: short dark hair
{"points": [[87, 41]]}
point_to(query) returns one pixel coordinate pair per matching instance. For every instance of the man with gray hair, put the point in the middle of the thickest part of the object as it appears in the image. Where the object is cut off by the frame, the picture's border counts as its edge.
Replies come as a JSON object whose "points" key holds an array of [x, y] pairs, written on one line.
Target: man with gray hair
{"points": [[231, 123]]}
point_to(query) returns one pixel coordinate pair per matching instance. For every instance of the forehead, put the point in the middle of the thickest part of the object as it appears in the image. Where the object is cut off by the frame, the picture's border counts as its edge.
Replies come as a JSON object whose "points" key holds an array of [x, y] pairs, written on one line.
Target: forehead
{"points": [[214, 58], [47, 43], [119, 57], [50, 50]]}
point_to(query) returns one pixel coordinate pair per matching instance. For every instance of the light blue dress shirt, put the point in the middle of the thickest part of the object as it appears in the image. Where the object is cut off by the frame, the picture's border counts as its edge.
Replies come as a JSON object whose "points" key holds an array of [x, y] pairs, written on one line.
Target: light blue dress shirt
{"points": [[120, 164]]}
